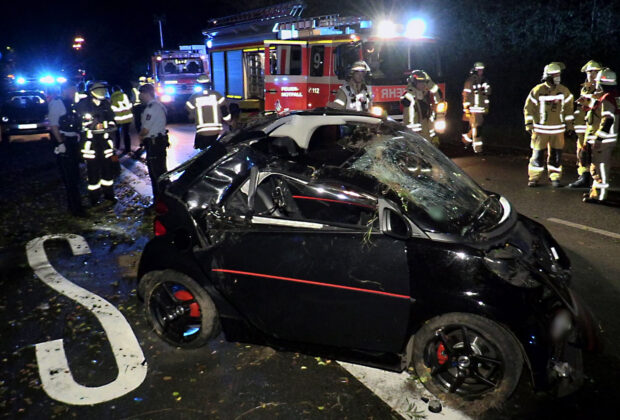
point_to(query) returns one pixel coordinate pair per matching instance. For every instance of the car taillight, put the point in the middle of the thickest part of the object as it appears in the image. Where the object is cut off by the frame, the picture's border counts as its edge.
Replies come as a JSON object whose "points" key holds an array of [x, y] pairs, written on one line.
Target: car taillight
{"points": [[159, 228]]}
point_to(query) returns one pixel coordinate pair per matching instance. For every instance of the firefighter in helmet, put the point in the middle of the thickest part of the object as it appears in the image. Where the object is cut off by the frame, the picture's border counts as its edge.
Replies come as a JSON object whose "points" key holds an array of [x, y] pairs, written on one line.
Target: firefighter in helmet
{"points": [[97, 148], [476, 92], [355, 94], [209, 111], [582, 105], [122, 116], [602, 133], [419, 105], [548, 113]]}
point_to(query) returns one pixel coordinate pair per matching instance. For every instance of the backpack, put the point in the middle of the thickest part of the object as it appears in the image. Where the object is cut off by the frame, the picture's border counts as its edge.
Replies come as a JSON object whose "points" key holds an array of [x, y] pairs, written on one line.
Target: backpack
{"points": [[70, 122]]}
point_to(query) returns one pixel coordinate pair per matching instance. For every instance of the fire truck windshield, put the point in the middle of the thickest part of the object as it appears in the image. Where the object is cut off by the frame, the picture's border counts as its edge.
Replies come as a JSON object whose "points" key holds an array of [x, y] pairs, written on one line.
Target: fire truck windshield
{"points": [[181, 66], [390, 61]]}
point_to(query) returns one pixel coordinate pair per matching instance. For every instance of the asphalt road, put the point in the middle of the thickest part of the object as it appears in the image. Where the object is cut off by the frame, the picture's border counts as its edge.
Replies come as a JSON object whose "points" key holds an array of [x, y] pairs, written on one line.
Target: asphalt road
{"points": [[233, 380]]}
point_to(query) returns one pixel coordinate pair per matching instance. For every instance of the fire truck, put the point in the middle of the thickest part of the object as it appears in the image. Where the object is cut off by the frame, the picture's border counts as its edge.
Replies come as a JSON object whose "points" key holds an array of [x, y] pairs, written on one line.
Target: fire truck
{"points": [[273, 58], [175, 72]]}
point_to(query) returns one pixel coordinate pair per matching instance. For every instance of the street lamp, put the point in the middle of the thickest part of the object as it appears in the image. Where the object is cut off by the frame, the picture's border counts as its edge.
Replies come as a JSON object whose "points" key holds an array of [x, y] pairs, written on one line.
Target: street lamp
{"points": [[78, 43]]}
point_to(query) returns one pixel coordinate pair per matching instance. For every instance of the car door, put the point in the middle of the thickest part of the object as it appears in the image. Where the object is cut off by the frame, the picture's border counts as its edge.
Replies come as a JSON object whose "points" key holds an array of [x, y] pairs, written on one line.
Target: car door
{"points": [[311, 266]]}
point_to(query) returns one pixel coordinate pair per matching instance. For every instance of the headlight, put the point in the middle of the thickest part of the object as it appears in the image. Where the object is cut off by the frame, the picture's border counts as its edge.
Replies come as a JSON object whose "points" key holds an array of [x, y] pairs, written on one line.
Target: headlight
{"points": [[561, 323], [170, 90], [198, 89], [5, 119], [442, 107], [440, 126], [377, 111], [166, 98]]}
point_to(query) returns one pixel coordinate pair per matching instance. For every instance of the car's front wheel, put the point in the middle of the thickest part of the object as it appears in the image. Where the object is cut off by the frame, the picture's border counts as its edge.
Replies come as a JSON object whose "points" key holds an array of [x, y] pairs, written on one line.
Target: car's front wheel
{"points": [[179, 309], [467, 356]]}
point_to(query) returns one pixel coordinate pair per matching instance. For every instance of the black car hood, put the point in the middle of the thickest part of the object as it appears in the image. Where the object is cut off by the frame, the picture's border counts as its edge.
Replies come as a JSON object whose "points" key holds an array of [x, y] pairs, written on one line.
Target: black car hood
{"points": [[30, 114]]}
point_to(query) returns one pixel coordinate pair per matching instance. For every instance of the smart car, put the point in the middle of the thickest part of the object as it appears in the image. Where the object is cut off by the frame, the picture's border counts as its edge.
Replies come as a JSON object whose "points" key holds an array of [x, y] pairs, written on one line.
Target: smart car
{"points": [[23, 112], [346, 235]]}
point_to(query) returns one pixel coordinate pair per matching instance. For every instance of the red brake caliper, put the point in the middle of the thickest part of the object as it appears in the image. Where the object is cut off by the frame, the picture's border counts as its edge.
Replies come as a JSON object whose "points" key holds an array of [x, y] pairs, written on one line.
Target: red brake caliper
{"points": [[194, 309], [442, 357]]}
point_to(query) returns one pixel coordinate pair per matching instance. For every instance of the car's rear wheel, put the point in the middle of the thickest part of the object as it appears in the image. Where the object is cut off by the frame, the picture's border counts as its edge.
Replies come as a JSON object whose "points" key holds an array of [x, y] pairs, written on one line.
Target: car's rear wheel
{"points": [[467, 356], [179, 309]]}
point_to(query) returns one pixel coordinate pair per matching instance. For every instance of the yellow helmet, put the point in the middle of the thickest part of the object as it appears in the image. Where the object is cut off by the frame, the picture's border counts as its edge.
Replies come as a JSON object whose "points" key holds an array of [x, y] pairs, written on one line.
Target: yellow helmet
{"points": [[98, 90], [591, 66], [478, 65], [552, 69], [607, 77]]}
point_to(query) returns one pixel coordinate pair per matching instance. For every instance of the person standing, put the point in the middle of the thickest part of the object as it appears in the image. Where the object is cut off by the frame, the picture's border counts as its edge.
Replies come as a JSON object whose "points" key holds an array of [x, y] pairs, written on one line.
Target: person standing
{"points": [[548, 113], [137, 106], [209, 111], [97, 146], [123, 117], [354, 94], [65, 128], [154, 135], [476, 92], [419, 105], [602, 133], [582, 105]]}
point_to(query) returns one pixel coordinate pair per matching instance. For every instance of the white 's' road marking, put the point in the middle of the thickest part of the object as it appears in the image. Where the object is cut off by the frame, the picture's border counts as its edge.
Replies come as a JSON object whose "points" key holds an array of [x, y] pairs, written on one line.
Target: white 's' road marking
{"points": [[396, 390], [54, 370], [584, 227]]}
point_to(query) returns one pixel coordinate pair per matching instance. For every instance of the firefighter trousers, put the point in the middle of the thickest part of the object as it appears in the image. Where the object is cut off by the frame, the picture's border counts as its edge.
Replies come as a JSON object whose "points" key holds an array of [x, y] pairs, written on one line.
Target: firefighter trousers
{"points": [[473, 135], [156, 159], [123, 133], [601, 159], [97, 151], [69, 166], [554, 144], [584, 154]]}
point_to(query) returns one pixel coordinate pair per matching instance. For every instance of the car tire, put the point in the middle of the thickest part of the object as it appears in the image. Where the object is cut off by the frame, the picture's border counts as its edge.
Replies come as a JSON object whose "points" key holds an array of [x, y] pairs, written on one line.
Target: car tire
{"points": [[486, 367], [179, 309]]}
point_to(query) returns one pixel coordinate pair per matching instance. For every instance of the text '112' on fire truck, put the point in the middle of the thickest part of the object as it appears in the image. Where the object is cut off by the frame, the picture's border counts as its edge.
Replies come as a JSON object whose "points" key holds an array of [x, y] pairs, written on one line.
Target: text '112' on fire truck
{"points": [[175, 73], [272, 58]]}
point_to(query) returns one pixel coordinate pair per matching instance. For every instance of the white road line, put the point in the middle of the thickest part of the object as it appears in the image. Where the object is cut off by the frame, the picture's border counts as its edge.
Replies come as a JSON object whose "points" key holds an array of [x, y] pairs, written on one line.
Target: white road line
{"points": [[135, 182], [584, 227], [399, 392], [54, 369]]}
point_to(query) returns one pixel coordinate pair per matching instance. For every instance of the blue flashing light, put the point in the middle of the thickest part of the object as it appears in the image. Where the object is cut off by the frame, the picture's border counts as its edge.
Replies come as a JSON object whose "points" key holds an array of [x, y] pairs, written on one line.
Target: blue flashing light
{"points": [[47, 80], [61, 80], [365, 24], [198, 89], [21, 81], [415, 28], [209, 44], [170, 90]]}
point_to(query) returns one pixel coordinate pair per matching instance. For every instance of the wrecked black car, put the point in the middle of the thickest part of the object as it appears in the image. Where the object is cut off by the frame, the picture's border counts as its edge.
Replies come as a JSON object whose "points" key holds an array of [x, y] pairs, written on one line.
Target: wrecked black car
{"points": [[23, 112], [345, 235]]}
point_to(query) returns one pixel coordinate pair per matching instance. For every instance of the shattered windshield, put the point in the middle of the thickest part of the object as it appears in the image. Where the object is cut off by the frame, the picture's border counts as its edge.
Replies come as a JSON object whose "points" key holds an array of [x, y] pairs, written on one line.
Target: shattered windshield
{"points": [[430, 188]]}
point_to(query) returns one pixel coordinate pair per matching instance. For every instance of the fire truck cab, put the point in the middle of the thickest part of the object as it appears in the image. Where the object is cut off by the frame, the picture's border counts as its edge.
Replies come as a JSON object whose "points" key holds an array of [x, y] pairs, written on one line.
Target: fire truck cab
{"points": [[273, 59], [175, 73]]}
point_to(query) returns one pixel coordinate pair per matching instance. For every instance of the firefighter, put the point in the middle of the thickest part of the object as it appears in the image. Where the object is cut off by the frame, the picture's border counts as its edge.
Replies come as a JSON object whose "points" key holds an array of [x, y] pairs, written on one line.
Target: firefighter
{"points": [[548, 113], [97, 146], [355, 94], [476, 92], [582, 105], [123, 116], [138, 107], [154, 135], [208, 109], [419, 105], [602, 133]]}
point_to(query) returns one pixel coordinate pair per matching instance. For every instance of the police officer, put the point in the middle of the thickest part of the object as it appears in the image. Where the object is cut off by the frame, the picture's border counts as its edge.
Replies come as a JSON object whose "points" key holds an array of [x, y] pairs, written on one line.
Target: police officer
{"points": [[60, 111], [209, 111], [476, 92], [123, 117], [154, 135], [97, 147], [548, 113], [419, 104], [355, 94], [602, 133], [582, 105]]}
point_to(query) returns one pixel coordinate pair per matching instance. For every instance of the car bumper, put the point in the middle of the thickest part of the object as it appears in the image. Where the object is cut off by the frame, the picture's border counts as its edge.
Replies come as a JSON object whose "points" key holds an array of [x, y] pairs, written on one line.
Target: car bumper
{"points": [[14, 129]]}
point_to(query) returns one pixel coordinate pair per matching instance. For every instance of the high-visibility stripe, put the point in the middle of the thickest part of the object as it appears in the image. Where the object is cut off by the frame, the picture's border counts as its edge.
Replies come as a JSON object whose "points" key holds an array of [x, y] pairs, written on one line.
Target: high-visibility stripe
{"points": [[339, 102], [569, 117], [531, 98], [93, 187], [542, 131], [221, 100], [106, 183], [189, 105], [608, 113], [554, 168], [466, 138], [467, 90], [535, 168], [549, 126]]}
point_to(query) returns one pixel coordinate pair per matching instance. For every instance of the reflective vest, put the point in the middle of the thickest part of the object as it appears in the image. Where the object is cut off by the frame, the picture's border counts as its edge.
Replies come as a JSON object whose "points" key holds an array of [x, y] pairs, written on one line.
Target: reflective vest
{"points": [[417, 107], [603, 120], [476, 92], [350, 99], [583, 104], [135, 93], [549, 109], [209, 111], [122, 108]]}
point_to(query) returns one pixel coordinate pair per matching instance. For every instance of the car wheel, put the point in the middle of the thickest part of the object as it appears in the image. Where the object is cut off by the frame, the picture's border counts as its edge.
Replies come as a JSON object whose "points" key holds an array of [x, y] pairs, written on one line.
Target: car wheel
{"points": [[467, 356], [179, 309]]}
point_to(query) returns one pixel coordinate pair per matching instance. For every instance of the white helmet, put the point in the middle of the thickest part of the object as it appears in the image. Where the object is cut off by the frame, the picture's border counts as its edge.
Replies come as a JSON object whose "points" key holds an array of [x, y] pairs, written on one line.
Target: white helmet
{"points": [[553, 69], [607, 77], [360, 66]]}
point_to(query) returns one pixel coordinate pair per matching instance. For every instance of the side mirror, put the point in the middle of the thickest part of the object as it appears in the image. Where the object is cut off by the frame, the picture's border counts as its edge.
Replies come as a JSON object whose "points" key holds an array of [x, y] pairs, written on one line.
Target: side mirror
{"points": [[392, 223]]}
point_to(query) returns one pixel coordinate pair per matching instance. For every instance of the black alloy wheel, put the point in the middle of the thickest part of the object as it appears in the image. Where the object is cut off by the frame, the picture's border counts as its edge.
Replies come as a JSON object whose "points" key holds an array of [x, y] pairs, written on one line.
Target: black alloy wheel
{"points": [[467, 356], [179, 309]]}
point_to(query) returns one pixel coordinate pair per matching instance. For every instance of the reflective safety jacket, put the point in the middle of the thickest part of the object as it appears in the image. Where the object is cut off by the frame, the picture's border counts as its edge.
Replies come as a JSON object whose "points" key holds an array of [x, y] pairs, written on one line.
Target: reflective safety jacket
{"points": [[549, 109], [476, 92], [135, 96], [603, 120], [122, 108], [348, 97], [417, 107], [582, 105], [97, 119], [209, 111]]}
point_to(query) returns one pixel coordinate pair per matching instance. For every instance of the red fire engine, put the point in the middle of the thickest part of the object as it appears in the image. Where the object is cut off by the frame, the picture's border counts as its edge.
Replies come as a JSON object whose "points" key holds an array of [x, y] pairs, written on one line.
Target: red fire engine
{"points": [[272, 58], [175, 73]]}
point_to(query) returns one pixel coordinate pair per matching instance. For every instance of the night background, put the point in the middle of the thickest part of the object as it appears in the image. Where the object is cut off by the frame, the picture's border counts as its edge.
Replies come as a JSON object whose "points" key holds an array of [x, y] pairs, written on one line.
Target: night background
{"points": [[515, 39]]}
